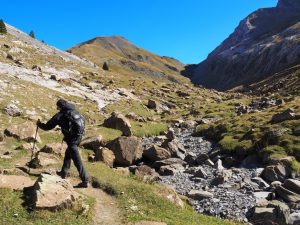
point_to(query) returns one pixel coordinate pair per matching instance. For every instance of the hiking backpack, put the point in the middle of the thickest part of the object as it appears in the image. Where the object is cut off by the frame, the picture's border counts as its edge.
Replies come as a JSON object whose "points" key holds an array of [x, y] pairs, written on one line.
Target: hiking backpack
{"points": [[76, 123]]}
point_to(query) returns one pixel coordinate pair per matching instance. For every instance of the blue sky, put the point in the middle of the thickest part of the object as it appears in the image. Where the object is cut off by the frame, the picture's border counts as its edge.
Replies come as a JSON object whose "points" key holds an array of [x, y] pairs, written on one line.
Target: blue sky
{"points": [[187, 30]]}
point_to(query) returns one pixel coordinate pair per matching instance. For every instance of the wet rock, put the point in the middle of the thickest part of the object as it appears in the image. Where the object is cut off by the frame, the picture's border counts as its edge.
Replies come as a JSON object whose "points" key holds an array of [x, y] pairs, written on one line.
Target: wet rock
{"points": [[92, 143], [127, 150], [156, 153], [53, 193], [25, 131], [13, 110], [105, 155], [118, 121], [199, 195]]}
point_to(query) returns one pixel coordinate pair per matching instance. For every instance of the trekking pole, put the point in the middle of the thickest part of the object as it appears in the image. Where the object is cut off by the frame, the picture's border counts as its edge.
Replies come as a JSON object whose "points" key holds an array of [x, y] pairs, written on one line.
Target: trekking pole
{"points": [[32, 154]]}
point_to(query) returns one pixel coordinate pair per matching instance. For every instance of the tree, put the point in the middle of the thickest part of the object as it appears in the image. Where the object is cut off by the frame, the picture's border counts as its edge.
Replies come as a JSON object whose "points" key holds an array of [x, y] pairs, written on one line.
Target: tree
{"points": [[105, 66], [31, 34], [2, 27]]}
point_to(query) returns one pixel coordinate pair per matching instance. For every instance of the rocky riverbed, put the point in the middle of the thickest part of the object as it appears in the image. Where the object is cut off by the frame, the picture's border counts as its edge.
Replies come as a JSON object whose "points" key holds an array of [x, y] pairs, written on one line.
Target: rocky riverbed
{"points": [[215, 189]]}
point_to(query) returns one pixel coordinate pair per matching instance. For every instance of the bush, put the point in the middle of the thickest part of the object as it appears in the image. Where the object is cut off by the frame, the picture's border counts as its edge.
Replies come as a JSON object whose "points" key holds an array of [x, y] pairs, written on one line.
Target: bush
{"points": [[105, 66], [31, 34], [2, 27]]}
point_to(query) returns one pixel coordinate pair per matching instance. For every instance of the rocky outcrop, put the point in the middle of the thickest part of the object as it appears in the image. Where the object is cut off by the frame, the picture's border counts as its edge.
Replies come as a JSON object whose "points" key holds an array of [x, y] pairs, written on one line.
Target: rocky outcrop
{"points": [[264, 43], [53, 193], [120, 122], [127, 150]]}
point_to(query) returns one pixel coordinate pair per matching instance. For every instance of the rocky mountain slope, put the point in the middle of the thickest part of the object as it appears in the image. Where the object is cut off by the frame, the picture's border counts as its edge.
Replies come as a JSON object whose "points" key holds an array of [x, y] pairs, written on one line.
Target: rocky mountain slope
{"points": [[232, 152], [264, 43], [120, 54]]}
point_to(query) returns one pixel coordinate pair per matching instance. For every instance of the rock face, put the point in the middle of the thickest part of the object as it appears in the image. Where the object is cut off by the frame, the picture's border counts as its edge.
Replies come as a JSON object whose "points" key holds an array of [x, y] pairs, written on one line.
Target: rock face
{"points": [[118, 121], [126, 149], [25, 131], [53, 193], [264, 43]]}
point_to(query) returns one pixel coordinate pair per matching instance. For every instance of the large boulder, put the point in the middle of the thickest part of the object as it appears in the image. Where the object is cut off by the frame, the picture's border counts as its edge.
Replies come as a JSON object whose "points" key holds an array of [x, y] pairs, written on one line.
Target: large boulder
{"points": [[285, 115], [175, 148], [269, 213], [93, 143], [105, 155], [53, 193], [24, 131], [275, 173], [55, 148], [156, 153], [289, 191], [120, 122], [127, 150]]}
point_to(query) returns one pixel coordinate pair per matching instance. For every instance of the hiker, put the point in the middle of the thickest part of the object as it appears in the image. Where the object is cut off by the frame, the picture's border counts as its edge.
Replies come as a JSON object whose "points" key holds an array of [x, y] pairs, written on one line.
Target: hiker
{"points": [[72, 131]]}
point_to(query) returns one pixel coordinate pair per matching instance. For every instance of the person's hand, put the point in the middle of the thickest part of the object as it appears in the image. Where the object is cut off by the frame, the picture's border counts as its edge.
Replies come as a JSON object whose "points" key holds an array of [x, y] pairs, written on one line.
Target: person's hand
{"points": [[38, 122]]}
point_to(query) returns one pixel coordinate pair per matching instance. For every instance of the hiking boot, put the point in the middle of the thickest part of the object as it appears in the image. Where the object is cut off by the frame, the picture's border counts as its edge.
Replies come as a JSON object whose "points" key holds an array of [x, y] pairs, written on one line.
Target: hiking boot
{"points": [[82, 185], [60, 173]]}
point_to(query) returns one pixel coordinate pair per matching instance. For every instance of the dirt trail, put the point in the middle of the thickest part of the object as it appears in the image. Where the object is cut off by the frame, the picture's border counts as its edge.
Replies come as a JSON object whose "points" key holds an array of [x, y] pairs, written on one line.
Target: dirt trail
{"points": [[105, 210]]}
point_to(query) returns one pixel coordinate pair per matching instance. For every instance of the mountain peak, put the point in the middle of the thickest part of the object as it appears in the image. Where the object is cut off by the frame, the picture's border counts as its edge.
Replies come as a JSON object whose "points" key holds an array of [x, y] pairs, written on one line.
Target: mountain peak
{"points": [[292, 4]]}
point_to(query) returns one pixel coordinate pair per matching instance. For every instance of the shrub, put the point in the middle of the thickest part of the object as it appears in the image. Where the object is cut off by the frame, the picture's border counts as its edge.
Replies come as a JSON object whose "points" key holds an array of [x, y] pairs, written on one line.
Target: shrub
{"points": [[105, 66], [2, 27]]}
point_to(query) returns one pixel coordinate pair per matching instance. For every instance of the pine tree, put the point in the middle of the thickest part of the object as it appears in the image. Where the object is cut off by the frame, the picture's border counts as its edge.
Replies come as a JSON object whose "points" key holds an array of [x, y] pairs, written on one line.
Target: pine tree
{"points": [[31, 34], [105, 66], [2, 27]]}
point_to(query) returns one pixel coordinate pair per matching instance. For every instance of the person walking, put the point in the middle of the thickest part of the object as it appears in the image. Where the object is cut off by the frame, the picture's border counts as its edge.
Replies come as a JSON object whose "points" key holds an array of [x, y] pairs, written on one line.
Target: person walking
{"points": [[72, 127]]}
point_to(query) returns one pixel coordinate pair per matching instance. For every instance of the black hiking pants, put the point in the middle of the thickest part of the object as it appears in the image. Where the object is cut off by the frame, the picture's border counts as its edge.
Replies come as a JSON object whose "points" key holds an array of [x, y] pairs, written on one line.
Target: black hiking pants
{"points": [[72, 153]]}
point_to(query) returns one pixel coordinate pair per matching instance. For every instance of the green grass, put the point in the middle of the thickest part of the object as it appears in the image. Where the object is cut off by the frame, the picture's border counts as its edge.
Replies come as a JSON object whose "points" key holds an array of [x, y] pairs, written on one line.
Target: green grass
{"points": [[12, 212], [130, 191], [148, 129]]}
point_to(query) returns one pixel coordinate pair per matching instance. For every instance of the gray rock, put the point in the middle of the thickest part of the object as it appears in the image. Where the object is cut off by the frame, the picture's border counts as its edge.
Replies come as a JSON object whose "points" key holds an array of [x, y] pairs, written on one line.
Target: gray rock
{"points": [[169, 161], [13, 110], [275, 173], [219, 165], [170, 169], [262, 184], [92, 143], [262, 195], [156, 153], [200, 173], [294, 219], [199, 195], [202, 158], [289, 191], [285, 115], [208, 162]]}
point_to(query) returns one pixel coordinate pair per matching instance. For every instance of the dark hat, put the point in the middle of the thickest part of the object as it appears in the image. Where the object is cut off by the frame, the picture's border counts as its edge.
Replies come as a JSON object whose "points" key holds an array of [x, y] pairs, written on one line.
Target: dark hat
{"points": [[61, 103]]}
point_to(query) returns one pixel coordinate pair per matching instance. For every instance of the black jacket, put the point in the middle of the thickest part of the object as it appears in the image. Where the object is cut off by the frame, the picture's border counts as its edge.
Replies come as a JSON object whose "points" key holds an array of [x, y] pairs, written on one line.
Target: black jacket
{"points": [[61, 120]]}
